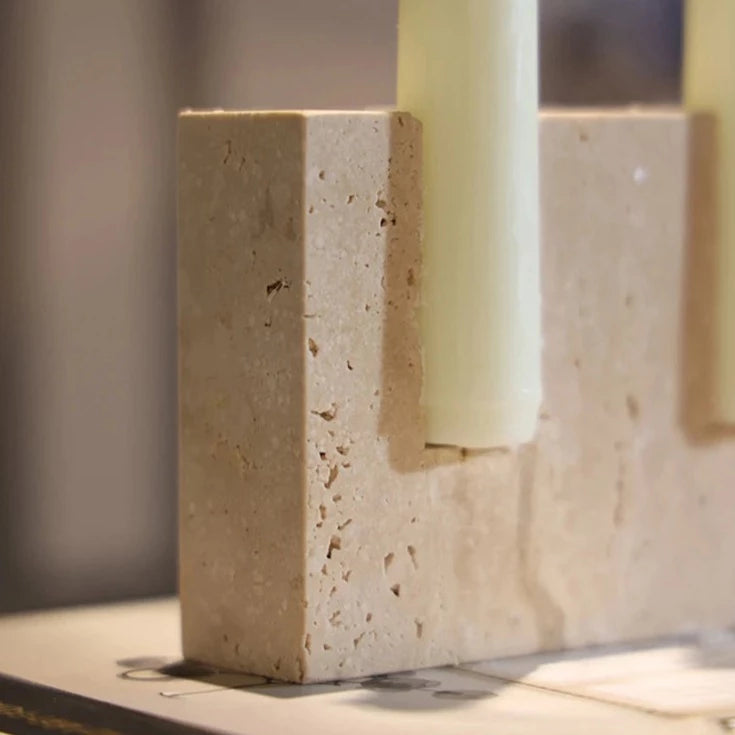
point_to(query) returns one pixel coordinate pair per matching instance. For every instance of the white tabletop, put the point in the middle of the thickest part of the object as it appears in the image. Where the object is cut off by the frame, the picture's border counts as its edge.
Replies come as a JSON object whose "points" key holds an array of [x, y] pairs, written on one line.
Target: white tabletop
{"points": [[113, 654]]}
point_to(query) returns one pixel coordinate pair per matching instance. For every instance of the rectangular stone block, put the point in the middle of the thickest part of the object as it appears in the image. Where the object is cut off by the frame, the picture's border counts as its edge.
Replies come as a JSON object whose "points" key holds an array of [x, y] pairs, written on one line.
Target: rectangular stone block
{"points": [[319, 538]]}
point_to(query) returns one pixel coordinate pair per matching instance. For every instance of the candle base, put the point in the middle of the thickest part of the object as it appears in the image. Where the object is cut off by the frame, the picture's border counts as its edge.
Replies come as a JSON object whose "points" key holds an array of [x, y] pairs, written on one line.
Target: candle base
{"points": [[481, 426], [319, 538]]}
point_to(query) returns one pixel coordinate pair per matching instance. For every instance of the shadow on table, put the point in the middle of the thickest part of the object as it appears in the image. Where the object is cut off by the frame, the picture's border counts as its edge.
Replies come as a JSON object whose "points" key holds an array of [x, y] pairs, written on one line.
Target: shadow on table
{"points": [[428, 690]]}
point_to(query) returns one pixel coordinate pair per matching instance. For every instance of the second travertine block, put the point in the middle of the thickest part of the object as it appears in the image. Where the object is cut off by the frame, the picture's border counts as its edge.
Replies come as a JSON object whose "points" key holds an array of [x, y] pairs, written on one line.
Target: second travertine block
{"points": [[320, 539]]}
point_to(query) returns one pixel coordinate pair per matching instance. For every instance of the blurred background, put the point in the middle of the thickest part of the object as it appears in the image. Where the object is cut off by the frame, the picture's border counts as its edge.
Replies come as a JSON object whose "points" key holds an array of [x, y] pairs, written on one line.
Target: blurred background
{"points": [[89, 91]]}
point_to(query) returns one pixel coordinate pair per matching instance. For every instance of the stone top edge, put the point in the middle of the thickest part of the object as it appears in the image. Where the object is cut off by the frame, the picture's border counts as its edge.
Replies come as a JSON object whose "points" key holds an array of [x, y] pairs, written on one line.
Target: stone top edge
{"points": [[656, 112], [287, 113], [649, 112]]}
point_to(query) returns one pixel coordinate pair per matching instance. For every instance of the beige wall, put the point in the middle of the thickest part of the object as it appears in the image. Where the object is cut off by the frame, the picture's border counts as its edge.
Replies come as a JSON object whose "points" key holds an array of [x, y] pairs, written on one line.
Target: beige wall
{"points": [[91, 291], [88, 94], [90, 90]]}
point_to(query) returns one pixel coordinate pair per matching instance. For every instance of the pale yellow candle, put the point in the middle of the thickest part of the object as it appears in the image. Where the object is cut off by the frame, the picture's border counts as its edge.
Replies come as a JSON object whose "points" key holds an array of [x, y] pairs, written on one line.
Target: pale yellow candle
{"points": [[709, 84], [468, 69]]}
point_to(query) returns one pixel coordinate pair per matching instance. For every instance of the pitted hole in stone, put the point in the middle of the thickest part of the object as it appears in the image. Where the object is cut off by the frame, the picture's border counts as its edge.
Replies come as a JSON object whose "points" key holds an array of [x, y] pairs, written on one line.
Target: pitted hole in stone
{"points": [[322, 175], [356, 641], [419, 628], [344, 525], [307, 643], [328, 414], [333, 592], [350, 198], [323, 456], [396, 590], [412, 553], [327, 647], [276, 286], [336, 498], [313, 347], [333, 473], [324, 570], [349, 365], [368, 617], [334, 618], [343, 450], [388, 560], [335, 544], [634, 409], [346, 575], [323, 512]]}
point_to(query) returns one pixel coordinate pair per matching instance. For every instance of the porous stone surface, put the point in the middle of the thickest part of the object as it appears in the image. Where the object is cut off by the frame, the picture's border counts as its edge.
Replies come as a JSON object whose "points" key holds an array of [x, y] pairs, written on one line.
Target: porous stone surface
{"points": [[320, 539]]}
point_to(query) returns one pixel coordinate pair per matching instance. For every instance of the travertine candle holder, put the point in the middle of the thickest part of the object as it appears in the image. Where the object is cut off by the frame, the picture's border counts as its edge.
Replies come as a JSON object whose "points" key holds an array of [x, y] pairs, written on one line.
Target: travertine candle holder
{"points": [[320, 539]]}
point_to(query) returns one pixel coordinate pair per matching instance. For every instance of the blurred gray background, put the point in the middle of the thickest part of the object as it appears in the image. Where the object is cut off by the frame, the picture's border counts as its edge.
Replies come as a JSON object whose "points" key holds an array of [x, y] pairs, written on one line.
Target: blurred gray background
{"points": [[89, 91]]}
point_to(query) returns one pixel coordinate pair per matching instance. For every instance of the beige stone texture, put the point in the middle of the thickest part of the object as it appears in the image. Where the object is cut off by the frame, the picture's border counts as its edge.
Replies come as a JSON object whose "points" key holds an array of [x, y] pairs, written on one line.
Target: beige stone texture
{"points": [[320, 539]]}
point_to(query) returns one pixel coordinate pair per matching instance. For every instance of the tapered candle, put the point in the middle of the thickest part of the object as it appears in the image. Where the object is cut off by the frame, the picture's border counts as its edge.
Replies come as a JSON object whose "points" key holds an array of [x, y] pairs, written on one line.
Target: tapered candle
{"points": [[709, 85], [468, 70]]}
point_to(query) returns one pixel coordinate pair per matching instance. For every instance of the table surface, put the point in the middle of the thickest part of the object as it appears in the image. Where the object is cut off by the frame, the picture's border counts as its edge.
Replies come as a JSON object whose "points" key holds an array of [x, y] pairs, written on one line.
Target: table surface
{"points": [[128, 656]]}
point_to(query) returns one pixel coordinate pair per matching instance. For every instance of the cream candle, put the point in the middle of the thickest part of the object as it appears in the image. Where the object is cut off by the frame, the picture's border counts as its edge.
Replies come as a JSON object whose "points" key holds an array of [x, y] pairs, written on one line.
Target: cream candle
{"points": [[709, 85], [468, 70]]}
